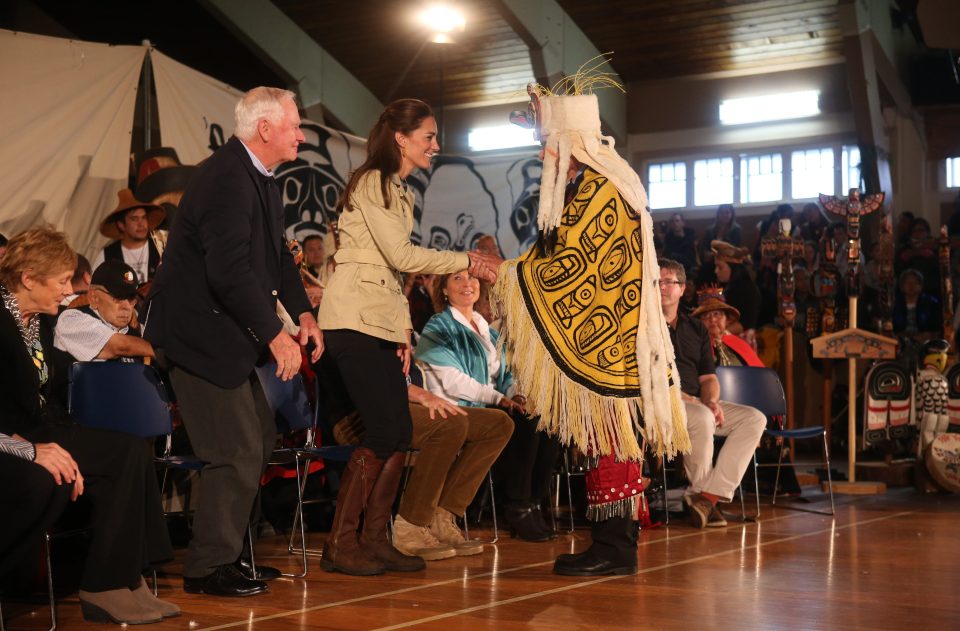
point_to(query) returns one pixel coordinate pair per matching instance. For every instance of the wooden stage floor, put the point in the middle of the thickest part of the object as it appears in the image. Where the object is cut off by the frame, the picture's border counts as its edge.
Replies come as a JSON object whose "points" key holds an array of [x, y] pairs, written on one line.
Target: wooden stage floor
{"points": [[885, 562]]}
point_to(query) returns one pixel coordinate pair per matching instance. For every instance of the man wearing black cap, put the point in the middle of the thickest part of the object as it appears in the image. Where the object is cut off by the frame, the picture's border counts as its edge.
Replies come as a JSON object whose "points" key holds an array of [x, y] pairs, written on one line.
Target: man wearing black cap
{"points": [[105, 328]]}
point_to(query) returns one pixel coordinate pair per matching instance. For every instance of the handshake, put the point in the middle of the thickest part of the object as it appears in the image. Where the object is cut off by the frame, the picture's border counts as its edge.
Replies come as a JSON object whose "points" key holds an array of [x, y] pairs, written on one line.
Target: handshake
{"points": [[484, 266]]}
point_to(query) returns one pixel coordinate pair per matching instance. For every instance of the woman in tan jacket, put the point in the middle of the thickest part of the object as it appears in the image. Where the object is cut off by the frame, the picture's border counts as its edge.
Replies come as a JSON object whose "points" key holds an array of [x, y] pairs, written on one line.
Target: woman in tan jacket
{"points": [[366, 324]]}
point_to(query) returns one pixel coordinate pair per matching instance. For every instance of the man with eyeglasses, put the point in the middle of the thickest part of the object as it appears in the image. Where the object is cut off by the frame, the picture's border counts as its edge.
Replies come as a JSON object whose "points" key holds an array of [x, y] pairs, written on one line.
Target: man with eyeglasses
{"points": [[106, 328], [707, 415]]}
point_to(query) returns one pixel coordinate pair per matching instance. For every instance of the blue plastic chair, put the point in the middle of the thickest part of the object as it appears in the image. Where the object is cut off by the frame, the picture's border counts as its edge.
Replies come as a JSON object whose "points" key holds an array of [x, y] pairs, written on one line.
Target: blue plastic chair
{"points": [[288, 399], [761, 388]]}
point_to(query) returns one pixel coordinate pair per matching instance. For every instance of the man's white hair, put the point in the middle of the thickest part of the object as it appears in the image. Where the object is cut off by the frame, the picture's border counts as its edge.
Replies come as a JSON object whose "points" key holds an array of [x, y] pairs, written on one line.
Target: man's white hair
{"points": [[257, 104]]}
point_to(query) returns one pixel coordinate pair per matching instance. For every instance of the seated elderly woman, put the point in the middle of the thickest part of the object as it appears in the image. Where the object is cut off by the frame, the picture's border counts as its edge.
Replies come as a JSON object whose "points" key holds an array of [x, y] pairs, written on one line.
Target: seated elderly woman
{"points": [[114, 470], [717, 316], [458, 350]]}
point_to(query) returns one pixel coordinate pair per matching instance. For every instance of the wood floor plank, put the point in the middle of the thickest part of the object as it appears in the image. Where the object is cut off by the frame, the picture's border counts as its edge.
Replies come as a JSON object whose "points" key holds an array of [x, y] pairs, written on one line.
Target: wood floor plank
{"points": [[885, 562]]}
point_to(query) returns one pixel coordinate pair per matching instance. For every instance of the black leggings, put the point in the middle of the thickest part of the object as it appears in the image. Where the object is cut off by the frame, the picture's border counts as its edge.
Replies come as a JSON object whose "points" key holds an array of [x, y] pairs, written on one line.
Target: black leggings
{"points": [[373, 377]]}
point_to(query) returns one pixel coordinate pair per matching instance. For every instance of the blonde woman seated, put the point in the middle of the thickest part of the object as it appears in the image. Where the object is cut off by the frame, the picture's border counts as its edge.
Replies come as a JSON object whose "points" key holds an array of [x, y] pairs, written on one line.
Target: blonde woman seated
{"points": [[458, 350]]}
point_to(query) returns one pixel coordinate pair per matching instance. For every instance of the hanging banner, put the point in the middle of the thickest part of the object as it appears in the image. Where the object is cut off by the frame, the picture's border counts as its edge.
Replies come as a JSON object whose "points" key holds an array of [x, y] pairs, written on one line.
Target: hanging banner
{"points": [[66, 116], [195, 110]]}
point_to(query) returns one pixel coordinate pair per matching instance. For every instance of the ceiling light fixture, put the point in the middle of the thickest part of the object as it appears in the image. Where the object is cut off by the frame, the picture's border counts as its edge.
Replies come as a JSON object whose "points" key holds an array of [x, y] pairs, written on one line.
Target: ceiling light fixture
{"points": [[770, 107], [442, 20]]}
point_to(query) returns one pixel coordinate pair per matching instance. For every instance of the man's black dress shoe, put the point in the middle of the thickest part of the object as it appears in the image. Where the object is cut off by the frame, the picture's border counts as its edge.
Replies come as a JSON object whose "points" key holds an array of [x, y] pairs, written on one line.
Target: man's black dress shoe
{"points": [[589, 564], [226, 580], [264, 572]]}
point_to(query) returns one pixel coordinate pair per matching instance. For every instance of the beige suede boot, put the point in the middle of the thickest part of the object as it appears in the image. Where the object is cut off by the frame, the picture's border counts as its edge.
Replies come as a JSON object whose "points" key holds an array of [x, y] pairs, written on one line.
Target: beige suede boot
{"points": [[419, 541], [116, 605], [146, 598], [444, 528]]}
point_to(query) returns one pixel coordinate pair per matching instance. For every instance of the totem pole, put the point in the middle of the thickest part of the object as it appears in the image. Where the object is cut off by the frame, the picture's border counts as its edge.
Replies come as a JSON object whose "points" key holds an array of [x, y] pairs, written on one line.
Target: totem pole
{"points": [[852, 343], [785, 249], [885, 276]]}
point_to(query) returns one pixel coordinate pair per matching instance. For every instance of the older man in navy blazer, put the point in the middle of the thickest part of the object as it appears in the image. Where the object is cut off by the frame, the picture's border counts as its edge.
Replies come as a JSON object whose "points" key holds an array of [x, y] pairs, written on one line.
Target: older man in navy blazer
{"points": [[212, 315]]}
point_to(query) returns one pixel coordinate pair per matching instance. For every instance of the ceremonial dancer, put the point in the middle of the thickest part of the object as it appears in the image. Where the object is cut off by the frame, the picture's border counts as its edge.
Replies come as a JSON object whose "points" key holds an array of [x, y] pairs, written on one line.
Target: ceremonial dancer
{"points": [[583, 324]]}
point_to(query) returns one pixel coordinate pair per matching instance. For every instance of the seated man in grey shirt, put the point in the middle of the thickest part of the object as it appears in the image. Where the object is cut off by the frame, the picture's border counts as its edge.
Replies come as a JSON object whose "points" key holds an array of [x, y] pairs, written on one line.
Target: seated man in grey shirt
{"points": [[105, 328]]}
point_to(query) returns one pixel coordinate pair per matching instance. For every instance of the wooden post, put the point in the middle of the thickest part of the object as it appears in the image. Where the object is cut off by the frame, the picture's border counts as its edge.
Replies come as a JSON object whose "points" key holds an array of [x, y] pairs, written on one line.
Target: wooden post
{"points": [[852, 401]]}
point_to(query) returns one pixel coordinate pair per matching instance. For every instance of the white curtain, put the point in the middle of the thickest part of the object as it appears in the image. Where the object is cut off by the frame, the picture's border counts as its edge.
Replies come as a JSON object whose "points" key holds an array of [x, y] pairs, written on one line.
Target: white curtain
{"points": [[195, 110], [66, 113]]}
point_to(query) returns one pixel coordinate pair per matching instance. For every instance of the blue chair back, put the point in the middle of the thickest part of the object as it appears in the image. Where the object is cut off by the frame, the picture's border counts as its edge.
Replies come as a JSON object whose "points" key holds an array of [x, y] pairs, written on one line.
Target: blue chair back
{"points": [[119, 396], [288, 399], [757, 387]]}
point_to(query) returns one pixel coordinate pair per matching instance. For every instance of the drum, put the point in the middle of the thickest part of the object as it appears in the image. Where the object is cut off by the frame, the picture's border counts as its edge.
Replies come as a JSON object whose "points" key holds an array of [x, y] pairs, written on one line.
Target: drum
{"points": [[943, 461]]}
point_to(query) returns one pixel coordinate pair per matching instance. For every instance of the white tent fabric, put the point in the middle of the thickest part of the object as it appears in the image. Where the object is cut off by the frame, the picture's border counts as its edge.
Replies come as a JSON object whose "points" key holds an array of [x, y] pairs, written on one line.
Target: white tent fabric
{"points": [[66, 114], [195, 110]]}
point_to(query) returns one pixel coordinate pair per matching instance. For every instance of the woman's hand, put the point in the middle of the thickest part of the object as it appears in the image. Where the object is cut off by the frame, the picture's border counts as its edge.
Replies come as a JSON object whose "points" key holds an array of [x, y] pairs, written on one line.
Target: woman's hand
{"points": [[439, 405], [517, 404], [61, 466], [404, 353]]}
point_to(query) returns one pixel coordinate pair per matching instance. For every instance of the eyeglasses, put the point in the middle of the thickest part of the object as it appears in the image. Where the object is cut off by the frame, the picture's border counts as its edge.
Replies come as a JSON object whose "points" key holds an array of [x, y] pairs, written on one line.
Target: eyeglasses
{"points": [[661, 283]]}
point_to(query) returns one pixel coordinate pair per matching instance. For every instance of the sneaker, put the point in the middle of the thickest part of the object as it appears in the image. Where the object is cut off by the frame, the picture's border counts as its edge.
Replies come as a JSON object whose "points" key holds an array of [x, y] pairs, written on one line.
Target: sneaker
{"points": [[444, 528], [419, 541], [716, 519], [700, 509]]}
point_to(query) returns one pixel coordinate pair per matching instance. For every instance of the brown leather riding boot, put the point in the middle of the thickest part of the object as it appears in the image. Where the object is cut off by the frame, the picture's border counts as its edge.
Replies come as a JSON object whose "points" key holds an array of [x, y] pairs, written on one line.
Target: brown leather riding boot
{"points": [[341, 552], [374, 539]]}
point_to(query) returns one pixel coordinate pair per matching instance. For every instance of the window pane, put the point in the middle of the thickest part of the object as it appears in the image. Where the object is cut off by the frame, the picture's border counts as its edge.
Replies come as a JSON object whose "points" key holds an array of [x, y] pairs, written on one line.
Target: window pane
{"points": [[850, 168], [713, 181], [761, 178], [953, 172], [668, 185], [811, 173]]}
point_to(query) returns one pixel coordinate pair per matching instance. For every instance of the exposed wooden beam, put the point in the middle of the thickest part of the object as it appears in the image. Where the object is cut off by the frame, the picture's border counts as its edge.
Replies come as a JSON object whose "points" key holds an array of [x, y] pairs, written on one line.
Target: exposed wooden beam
{"points": [[318, 78]]}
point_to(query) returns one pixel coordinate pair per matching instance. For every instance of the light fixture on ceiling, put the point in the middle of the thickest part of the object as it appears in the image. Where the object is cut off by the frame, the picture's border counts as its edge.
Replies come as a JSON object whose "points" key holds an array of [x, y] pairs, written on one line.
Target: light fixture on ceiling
{"points": [[442, 20], [770, 107]]}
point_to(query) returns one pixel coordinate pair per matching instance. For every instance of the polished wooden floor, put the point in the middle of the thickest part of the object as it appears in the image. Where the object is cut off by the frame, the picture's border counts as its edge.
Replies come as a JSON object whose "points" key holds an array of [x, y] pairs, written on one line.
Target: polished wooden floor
{"points": [[886, 562]]}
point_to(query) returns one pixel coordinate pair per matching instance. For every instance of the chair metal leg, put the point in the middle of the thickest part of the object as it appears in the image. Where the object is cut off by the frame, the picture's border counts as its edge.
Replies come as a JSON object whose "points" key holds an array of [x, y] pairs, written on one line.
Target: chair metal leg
{"points": [[776, 482], [253, 560], [566, 471], [826, 456], [666, 503], [493, 508], [154, 575], [298, 517], [53, 601], [756, 484]]}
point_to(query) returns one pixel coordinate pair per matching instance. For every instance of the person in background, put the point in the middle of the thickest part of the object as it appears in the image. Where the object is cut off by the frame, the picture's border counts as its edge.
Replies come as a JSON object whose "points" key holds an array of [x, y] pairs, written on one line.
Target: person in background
{"points": [[129, 224], [724, 228], [812, 223], [716, 315], [916, 313], [739, 289], [679, 243], [315, 265], [80, 282]]}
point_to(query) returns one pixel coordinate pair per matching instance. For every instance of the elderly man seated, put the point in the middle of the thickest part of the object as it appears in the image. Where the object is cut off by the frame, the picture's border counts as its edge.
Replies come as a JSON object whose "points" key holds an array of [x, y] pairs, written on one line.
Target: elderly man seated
{"points": [[106, 328], [707, 415]]}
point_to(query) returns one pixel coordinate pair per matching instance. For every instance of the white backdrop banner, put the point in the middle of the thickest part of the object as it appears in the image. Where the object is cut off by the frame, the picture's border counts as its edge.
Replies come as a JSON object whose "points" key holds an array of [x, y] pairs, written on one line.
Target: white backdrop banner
{"points": [[195, 110], [66, 113]]}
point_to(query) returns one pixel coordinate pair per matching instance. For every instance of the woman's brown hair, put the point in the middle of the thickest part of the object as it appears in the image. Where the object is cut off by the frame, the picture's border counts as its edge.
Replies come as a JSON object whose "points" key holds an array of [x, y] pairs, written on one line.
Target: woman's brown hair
{"points": [[43, 252], [383, 154]]}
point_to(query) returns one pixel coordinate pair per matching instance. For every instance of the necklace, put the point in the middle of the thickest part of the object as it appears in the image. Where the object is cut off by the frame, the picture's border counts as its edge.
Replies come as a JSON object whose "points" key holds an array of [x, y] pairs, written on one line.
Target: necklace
{"points": [[30, 332]]}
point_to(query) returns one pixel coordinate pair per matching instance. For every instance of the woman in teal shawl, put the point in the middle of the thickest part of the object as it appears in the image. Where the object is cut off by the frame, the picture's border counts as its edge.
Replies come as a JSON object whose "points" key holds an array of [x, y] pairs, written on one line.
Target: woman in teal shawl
{"points": [[458, 350]]}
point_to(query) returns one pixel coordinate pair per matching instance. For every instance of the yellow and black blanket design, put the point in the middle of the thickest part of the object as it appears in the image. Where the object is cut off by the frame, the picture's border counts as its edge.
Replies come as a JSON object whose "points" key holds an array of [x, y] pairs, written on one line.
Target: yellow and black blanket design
{"points": [[572, 320]]}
